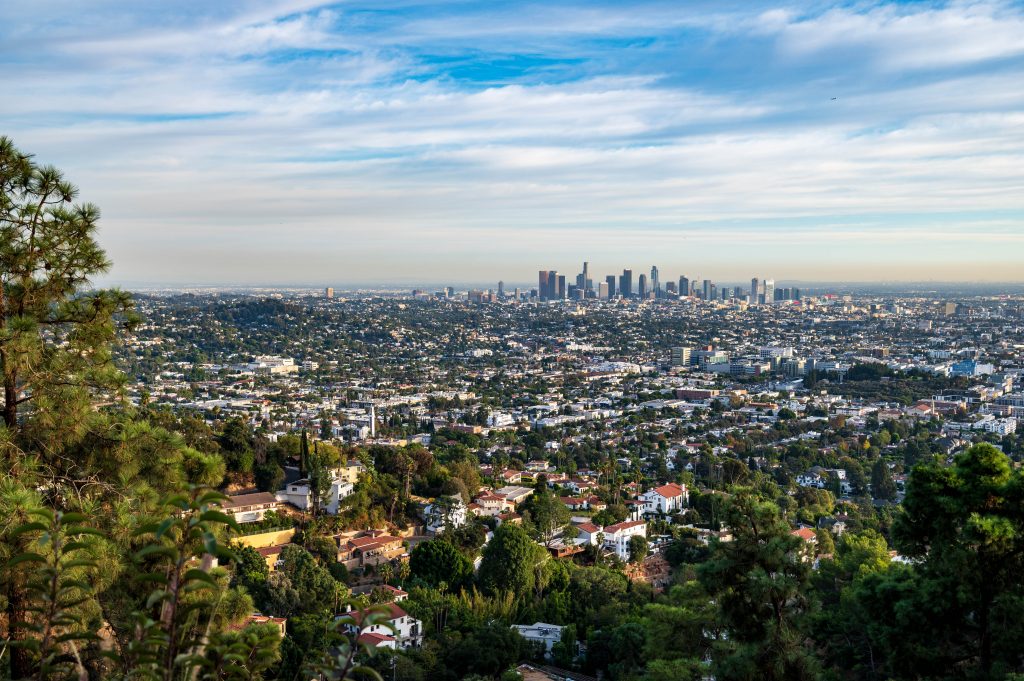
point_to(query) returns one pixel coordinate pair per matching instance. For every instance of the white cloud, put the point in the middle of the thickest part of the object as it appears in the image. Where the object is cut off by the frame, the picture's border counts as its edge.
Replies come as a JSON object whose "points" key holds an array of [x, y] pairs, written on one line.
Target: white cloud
{"points": [[905, 36], [369, 158]]}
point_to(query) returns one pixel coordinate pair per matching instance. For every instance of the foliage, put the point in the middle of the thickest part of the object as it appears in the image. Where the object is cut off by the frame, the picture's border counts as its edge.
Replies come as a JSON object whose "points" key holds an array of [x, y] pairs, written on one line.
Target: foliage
{"points": [[437, 562], [510, 560], [760, 582]]}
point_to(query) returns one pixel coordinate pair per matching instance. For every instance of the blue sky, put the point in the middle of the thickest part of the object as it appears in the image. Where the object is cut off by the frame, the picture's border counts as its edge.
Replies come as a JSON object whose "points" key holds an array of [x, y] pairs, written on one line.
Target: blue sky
{"points": [[306, 142]]}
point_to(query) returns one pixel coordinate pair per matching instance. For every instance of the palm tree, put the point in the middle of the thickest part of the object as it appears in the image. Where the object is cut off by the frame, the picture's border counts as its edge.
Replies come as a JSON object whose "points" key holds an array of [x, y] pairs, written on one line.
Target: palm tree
{"points": [[387, 572], [403, 571]]}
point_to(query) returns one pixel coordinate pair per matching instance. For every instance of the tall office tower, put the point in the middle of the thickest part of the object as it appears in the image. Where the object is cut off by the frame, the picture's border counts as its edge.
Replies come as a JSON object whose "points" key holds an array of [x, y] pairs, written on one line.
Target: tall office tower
{"points": [[670, 287], [707, 289], [796, 294], [328, 293], [587, 285], [626, 284], [655, 282], [737, 292], [769, 290], [561, 292], [602, 290], [552, 285], [501, 289], [714, 293], [684, 286], [753, 291], [610, 280], [542, 284], [724, 293], [641, 287]]}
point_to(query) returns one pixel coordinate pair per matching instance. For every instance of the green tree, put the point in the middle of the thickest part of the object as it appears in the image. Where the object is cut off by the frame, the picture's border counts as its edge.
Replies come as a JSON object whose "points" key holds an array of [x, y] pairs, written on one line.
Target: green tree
{"points": [[882, 485], [759, 580], [509, 561], [320, 479], [55, 339], [638, 549], [548, 515], [237, 442], [317, 589], [965, 525], [437, 561]]}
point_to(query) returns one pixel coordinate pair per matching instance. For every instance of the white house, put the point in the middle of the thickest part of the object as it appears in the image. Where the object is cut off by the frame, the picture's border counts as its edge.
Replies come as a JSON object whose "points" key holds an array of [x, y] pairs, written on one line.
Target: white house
{"points": [[298, 493], [491, 504], [443, 513], [406, 631], [588, 533], [665, 499], [820, 477], [616, 537], [540, 634]]}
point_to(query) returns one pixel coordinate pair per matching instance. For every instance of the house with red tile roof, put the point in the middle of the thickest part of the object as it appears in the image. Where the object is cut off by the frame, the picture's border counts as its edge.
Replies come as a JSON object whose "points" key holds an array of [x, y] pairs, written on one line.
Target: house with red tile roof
{"points": [[617, 536], [403, 628], [665, 499]]}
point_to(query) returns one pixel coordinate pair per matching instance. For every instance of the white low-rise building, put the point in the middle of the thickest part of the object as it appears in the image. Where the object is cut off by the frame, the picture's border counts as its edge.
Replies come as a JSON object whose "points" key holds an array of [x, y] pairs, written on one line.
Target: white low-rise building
{"points": [[616, 537], [665, 499], [540, 634], [299, 494], [445, 513], [405, 631]]}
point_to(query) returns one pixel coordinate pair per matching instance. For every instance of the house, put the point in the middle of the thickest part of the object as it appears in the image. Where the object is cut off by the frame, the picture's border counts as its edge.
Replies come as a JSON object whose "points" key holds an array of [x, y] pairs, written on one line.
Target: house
{"points": [[447, 512], [575, 503], [271, 554], [636, 508], [556, 479], [514, 495], [810, 541], [405, 631], [370, 548], [351, 471], [807, 534], [588, 533], [542, 635], [511, 477], [375, 640], [819, 477], [616, 537], [490, 504], [581, 486], [250, 508], [666, 499], [280, 622], [299, 493], [397, 595], [510, 517]]}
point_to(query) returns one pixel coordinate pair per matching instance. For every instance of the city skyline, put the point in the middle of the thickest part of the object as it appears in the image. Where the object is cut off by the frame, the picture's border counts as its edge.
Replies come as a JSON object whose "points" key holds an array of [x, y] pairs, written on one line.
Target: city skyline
{"points": [[305, 142]]}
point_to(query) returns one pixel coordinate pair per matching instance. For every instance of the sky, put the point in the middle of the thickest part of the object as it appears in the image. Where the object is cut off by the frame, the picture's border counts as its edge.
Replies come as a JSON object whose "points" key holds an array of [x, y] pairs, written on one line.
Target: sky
{"points": [[303, 142]]}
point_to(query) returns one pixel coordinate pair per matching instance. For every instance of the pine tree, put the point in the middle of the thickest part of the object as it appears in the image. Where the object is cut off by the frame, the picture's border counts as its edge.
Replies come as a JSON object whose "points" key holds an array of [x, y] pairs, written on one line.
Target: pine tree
{"points": [[55, 338], [759, 580]]}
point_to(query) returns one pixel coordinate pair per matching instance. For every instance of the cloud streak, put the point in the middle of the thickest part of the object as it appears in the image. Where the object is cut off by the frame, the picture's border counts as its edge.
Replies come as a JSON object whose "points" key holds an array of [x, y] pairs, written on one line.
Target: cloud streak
{"points": [[503, 136]]}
